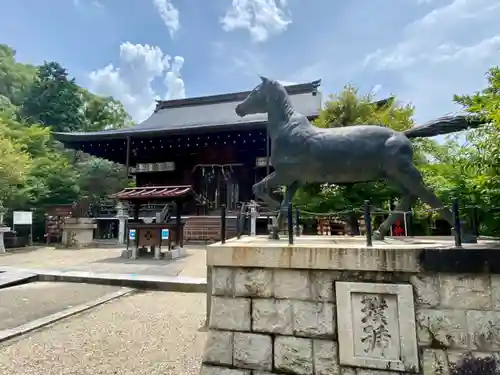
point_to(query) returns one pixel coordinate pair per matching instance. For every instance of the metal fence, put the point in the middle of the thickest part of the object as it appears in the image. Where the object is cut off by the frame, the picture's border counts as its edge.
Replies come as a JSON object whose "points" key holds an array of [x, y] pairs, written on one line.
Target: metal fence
{"points": [[293, 218]]}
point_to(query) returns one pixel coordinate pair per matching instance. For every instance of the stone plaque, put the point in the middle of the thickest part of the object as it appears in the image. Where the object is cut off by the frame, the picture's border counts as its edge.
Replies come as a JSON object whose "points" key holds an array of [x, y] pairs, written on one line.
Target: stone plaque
{"points": [[376, 326]]}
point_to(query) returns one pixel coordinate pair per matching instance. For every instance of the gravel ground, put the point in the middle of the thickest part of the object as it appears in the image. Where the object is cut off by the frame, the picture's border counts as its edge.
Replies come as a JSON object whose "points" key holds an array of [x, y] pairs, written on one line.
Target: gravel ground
{"points": [[145, 334], [149, 333]]}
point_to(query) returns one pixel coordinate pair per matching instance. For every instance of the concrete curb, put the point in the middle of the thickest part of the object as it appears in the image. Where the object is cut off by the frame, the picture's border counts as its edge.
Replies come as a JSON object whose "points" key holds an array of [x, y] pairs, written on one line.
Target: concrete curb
{"points": [[179, 284], [11, 333], [8, 279], [26, 249]]}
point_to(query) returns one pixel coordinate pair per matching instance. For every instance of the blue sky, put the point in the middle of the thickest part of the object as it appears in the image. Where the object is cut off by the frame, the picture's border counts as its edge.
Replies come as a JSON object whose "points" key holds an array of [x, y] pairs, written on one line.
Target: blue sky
{"points": [[424, 51]]}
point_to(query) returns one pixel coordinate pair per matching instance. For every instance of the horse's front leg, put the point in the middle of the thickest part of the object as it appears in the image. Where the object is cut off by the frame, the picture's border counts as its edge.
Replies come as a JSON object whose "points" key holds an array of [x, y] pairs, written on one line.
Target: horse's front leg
{"points": [[290, 191], [262, 190]]}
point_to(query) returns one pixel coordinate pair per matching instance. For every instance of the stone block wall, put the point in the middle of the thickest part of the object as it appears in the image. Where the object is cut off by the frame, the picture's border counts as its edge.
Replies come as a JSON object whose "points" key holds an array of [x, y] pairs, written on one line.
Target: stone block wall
{"points": [[290, 321], [457, 315]]}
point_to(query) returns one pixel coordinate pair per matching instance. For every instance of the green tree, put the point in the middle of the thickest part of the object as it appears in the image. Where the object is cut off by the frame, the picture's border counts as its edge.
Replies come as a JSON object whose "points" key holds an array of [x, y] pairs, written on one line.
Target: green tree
{"points": [[15, 78], [54, 100], [100, 178], [104, 113], [481, 162], [7, 109], [14, 167], [35, 170]]}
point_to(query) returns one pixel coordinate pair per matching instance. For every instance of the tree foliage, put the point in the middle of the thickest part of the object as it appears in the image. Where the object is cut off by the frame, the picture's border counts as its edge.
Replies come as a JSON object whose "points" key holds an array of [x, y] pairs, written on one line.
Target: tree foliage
{"points": [[14, 167], [54, 100], [35, 171], [480, 157], [15, 78]]}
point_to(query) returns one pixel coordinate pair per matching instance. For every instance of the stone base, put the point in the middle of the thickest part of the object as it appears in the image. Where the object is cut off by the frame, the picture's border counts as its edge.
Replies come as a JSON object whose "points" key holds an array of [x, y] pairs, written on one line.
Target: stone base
{"points": [[3, 230], [175, 253], [78, 232], [167, 255], [331, 305]]}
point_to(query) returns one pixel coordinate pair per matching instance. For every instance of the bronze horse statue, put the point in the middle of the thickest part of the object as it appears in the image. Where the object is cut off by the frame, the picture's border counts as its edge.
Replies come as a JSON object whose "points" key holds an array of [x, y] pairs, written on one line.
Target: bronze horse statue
{"points": [[303, 153]]}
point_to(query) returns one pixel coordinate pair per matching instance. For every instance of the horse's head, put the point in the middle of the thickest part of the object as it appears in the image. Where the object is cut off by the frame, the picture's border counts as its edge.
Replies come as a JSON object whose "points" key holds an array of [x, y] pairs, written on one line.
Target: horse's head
{"points": [[256, 101]]}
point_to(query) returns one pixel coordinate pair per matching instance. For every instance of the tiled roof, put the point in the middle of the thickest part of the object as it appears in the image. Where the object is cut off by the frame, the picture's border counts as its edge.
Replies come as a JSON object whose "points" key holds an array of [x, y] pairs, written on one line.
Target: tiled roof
{"points": [[203, 113]]}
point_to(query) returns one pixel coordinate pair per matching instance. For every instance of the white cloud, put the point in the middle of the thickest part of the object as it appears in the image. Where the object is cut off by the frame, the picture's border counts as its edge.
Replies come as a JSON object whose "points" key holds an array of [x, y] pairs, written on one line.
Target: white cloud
{"points": [[169, 14], [484, 49], [173, 80], [262, 18], [132, 80], [95, 3], [445, 52], [287, 83], [432, 37], [376, 89]]}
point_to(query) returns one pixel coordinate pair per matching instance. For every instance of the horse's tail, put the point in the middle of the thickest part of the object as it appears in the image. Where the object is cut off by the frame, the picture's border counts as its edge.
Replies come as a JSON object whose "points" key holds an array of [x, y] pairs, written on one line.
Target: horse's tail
{"points": [[445, 125]]}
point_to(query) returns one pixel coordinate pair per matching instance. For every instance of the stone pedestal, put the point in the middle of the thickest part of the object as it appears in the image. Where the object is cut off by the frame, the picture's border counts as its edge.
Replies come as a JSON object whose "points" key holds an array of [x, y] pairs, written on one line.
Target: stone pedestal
{"points": [[157, 253], [332, 306], [78, 232], [254, 214], [122, 216], [3, 230]]}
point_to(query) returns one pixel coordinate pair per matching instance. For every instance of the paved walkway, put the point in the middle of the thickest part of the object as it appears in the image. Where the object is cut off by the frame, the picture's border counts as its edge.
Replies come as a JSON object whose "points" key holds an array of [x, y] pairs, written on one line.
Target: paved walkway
{"points": [[24, 303], [146, 333], [97, 260]]}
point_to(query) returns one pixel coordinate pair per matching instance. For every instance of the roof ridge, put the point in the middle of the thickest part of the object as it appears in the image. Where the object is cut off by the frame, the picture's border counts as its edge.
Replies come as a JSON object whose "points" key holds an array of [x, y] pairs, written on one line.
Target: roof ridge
{"points": [[300, 88]]}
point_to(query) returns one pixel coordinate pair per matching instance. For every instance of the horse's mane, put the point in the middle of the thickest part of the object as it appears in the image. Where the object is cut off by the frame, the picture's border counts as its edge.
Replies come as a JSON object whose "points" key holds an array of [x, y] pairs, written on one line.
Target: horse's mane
{"points": [[281, 97]]}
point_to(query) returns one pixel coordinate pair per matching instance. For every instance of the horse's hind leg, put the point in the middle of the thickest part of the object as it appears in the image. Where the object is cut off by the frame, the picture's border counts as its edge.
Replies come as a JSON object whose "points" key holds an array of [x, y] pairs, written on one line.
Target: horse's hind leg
{"points": [[409, 176], [404, 204], [262, 190], [290, 191]]}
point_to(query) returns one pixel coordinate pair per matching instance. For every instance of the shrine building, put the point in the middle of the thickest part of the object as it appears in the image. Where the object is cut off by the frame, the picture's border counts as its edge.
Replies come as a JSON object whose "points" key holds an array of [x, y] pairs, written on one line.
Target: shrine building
{"points": [[194, 149]]}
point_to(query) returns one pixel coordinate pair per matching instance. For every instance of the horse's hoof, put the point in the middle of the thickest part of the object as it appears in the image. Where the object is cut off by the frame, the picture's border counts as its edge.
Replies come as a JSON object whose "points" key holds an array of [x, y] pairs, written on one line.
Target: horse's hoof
{"points": [[469, 238], [273, 233], [377, 236], [273, 236]]}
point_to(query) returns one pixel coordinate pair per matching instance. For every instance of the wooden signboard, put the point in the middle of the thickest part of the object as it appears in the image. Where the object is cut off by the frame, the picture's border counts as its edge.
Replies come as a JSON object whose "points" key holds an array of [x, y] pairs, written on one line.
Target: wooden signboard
{"points": [[62, 210]]}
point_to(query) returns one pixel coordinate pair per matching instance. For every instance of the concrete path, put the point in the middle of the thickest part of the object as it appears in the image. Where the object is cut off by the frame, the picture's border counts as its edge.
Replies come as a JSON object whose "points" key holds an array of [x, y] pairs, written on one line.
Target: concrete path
{"points": [[23, 303], [95, 260]]}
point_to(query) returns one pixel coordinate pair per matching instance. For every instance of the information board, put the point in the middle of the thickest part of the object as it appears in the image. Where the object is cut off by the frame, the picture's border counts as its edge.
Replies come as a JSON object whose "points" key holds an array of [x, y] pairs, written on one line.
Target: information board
{"points": [[22, 217], [164, 234], [131, 234]]}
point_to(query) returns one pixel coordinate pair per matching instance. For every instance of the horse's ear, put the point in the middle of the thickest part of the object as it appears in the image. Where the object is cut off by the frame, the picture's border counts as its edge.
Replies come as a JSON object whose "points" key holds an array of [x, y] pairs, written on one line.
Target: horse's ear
{"points": [[264, 79]]}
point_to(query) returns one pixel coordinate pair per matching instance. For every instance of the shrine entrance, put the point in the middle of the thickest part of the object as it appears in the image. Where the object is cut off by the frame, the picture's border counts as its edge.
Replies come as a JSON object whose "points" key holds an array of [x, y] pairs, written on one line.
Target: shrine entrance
{"points": [[220, 184]]}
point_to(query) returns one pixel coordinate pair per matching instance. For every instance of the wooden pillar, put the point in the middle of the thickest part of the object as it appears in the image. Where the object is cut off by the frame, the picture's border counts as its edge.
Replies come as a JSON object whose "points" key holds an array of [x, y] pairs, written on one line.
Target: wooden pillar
{"points": [[178, 234], [136, 211], [127, 157]]}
